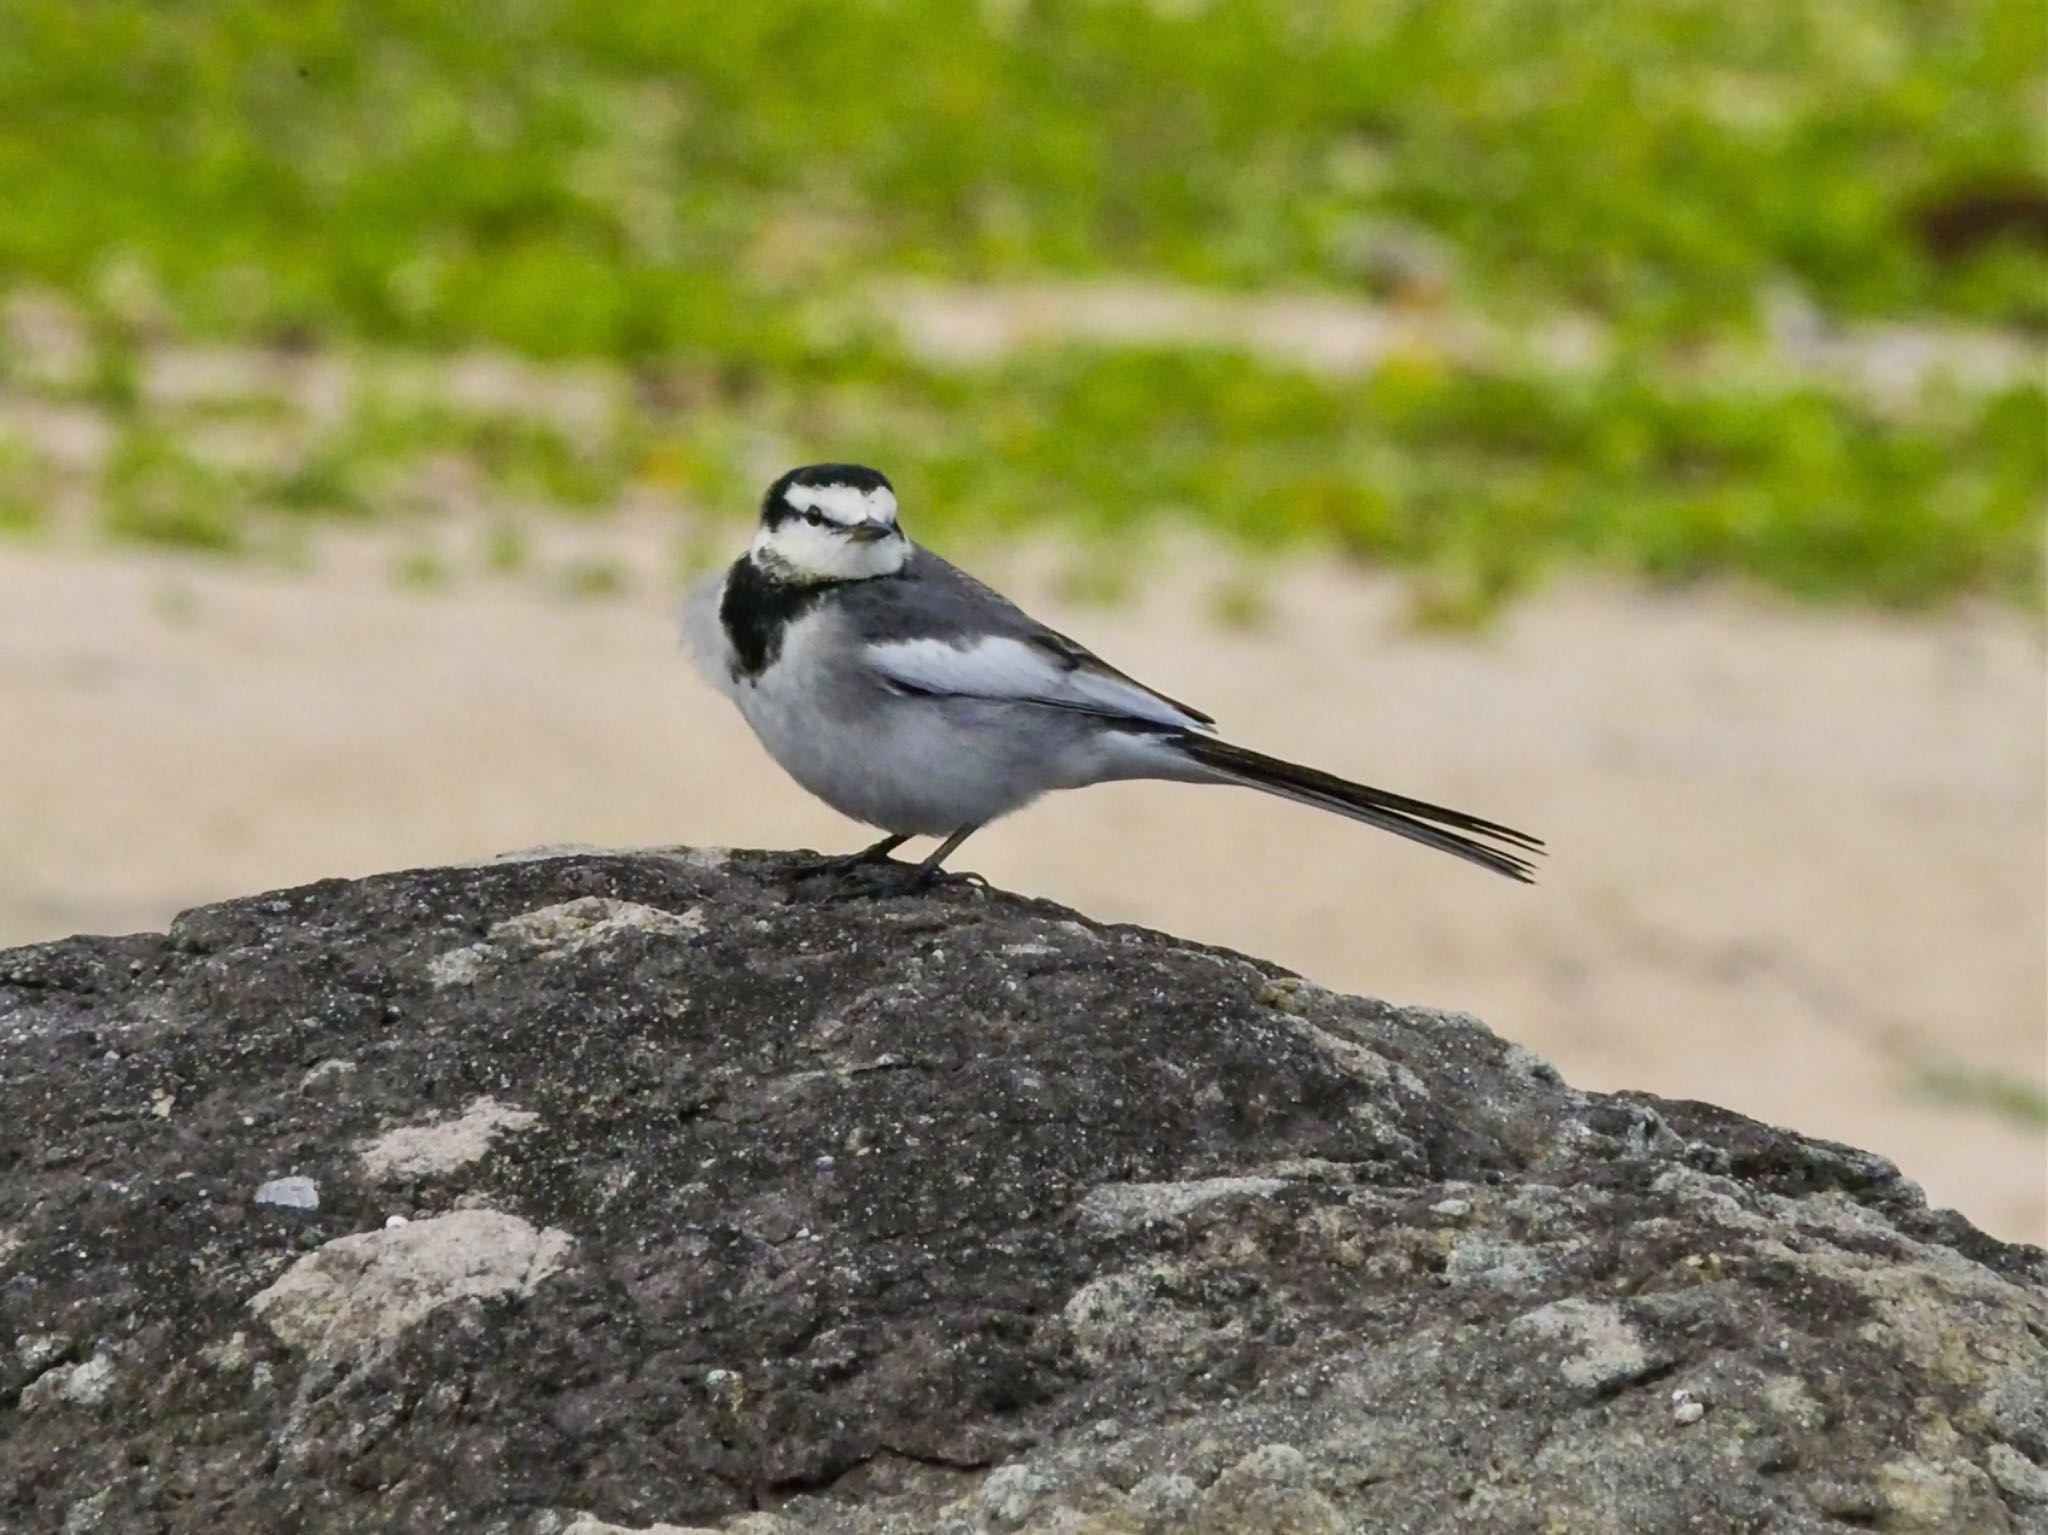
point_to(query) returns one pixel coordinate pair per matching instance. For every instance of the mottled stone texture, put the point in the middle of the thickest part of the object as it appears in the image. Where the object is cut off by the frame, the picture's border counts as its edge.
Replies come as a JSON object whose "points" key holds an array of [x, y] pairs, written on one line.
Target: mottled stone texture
{"points": [[727, 1206]]}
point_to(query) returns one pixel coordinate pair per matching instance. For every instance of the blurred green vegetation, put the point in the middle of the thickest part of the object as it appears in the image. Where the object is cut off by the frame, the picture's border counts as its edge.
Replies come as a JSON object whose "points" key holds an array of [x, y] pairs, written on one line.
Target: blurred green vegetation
{"points": [[698, 196], [2003, 1095]]}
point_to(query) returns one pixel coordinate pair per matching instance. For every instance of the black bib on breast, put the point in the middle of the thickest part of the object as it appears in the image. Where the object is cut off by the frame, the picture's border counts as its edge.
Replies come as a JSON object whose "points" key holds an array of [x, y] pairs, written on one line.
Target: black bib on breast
{"points": [[757, 610]]}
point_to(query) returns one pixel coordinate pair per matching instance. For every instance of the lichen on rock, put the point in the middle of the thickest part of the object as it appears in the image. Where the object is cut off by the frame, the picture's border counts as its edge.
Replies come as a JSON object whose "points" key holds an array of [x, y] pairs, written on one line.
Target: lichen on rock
{"points": [[357, 1294], [441, 1146]]}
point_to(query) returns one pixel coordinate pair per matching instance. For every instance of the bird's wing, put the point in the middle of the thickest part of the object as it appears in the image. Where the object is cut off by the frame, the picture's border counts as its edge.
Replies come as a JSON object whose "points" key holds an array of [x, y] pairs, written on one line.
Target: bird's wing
{"points": [[1038, 666], [938, 631]]}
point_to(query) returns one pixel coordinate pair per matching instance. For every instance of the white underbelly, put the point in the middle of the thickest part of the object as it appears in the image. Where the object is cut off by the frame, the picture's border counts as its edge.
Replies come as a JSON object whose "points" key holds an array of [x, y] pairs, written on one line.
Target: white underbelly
{"points": [[906, 765]]}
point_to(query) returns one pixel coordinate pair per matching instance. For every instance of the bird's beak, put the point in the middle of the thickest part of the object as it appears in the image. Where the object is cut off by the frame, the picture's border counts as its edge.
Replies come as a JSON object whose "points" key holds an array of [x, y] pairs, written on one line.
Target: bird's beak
{"points": [[869, 532]]}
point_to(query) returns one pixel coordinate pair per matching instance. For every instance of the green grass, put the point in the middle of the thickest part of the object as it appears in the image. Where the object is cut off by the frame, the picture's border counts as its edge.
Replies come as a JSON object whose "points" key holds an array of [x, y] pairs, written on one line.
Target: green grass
{"points": [[1488, 478], [22, 487], [158, 492], [692, 194], [573, 179], [1480, 482]]}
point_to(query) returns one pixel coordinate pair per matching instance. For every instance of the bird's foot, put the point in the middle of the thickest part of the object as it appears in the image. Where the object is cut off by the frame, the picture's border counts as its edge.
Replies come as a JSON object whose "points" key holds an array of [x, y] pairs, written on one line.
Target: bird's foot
{"points": [[841, 863]]}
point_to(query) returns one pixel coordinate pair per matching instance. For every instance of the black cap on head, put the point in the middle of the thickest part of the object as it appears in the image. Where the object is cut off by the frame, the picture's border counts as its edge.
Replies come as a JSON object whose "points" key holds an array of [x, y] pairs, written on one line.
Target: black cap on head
{"points": [[859, 476], [856, 476]]}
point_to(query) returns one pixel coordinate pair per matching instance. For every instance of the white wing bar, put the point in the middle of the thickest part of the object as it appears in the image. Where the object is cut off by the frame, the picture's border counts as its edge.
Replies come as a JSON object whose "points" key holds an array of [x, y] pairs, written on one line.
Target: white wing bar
{"points": [[1003, 668]]}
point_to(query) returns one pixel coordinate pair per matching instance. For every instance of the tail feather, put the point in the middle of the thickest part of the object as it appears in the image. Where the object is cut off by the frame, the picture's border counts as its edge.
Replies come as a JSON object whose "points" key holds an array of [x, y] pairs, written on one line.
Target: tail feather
{"points": [[1431, 825]]}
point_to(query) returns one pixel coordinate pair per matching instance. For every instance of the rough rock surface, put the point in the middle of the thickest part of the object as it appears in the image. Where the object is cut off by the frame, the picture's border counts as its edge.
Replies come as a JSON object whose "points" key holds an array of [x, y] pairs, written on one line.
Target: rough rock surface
{"points": [[653, 1192]]}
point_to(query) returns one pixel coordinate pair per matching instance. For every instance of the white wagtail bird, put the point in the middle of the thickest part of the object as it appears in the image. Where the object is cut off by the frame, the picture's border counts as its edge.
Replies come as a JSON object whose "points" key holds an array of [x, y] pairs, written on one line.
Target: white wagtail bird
{"points": [[905, 694]]}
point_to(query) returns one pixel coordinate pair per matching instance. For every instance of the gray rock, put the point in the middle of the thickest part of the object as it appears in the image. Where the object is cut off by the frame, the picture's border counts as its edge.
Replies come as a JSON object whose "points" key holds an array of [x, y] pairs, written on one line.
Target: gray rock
{"points": [[434, 1150], [357, 1294], [735, 1209], [289, 1193], [81, 1385]]}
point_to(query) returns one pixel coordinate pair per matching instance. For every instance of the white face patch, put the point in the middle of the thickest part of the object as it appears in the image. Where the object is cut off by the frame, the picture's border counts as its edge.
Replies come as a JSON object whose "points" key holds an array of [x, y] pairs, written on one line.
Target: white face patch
{"points": [[844, 504], [830, 551]]}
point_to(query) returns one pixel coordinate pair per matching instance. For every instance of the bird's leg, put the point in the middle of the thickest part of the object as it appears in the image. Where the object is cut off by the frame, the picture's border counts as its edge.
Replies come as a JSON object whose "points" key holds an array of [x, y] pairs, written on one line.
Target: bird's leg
{"points": [[928, 871], [840, 863], [892, 878], [876, 852]]}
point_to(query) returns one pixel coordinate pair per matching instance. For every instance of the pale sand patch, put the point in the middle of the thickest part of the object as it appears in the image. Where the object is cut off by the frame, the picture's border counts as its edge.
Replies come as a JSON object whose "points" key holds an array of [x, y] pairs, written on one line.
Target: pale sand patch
{"points": [[1891, 363], [1797, 855]]}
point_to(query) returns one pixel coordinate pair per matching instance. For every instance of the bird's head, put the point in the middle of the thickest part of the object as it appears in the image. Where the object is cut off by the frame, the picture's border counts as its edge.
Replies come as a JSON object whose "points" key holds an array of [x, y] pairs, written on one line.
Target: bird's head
{"points": [[830, 522]]}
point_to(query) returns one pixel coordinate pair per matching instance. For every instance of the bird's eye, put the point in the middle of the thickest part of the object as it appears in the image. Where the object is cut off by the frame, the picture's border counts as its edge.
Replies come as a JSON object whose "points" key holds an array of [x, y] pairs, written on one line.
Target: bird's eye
{"points": [[815, 517]]}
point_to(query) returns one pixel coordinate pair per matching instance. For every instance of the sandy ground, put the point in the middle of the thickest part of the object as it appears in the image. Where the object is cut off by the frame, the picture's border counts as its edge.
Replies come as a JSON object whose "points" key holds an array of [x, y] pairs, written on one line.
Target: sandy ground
{"points": [[1799, 858]]}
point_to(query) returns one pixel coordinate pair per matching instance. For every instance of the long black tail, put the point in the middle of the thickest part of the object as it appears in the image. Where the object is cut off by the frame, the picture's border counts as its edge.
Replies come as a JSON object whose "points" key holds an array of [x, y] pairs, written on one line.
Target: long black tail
{"points": [[1432, 825]]}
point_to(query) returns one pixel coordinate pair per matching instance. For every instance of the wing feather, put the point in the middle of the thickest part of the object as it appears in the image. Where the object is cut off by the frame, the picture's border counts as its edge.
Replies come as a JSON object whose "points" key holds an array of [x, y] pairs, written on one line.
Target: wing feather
{"points": [[1042, 668]]}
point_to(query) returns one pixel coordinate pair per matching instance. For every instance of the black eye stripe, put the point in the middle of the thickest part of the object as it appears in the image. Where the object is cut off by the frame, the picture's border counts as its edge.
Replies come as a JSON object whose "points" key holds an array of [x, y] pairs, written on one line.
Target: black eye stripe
{"points": [[783, 512]]}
